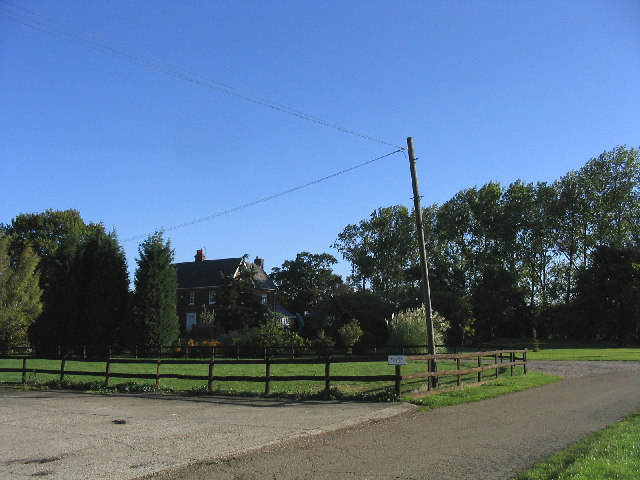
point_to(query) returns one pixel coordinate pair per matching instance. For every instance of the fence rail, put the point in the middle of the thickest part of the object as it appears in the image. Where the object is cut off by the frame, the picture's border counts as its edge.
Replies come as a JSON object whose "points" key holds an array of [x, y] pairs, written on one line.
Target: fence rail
{"points": [[486, 361]]}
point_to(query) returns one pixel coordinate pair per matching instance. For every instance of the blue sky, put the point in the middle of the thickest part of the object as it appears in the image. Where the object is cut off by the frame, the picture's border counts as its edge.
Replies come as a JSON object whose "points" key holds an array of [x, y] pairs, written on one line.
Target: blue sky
{"points": [[488, 90]]}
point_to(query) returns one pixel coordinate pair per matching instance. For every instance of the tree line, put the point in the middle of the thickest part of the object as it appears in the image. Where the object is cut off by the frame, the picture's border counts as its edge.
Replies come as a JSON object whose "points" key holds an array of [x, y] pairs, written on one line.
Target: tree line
{"points": [[556, 259], [553, 259], [69, 286]]}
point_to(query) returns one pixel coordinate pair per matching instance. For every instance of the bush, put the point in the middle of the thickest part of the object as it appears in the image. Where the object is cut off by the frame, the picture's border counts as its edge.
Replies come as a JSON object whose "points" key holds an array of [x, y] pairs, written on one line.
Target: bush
{"points": [[274, 335], [350, 333], [409, 328]]}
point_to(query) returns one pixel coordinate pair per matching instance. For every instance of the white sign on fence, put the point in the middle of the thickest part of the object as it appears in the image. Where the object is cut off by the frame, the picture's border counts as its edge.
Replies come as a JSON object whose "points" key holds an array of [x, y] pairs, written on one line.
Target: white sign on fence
{"points": [[397, 359]]}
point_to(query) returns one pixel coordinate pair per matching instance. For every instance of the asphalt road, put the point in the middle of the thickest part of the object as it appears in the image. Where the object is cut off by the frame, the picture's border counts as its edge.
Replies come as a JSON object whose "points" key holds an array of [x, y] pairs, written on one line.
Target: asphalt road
{"points": [[494, 439], [64, 435], [61, 435]]}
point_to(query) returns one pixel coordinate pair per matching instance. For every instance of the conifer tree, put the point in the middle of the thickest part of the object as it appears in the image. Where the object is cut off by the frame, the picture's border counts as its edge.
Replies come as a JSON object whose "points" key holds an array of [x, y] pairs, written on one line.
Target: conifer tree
{"points": [[19, 295], [156, 282]]}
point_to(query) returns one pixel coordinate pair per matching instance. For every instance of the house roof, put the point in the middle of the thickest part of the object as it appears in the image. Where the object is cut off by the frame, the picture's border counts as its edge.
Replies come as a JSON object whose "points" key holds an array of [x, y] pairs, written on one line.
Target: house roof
{"points": [[209, 273]]}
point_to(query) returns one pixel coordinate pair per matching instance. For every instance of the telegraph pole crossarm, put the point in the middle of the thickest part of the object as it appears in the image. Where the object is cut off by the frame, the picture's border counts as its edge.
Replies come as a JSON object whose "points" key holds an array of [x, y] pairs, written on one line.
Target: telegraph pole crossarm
{"points": [[424, 269]]}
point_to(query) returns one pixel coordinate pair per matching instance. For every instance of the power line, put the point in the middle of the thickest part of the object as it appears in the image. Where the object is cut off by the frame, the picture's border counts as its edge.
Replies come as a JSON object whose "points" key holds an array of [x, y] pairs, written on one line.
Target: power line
{"points": [[66, 32], [265, 199]]}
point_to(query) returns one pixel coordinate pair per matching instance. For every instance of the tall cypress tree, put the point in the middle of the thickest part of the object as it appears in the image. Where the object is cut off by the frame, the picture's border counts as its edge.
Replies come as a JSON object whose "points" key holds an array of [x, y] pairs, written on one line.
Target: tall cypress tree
{"points": [[156, 283], [102, 286]]}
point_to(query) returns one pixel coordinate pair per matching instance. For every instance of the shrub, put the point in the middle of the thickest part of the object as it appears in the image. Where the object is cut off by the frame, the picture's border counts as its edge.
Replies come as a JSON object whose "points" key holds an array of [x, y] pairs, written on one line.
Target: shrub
{"points": [[274, 335], [409, 328], [350, 333]]}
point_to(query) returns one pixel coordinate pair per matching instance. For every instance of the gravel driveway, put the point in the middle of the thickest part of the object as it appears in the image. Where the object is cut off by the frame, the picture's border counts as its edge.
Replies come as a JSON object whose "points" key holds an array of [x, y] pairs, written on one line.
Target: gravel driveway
{"points": [[494, 439]]}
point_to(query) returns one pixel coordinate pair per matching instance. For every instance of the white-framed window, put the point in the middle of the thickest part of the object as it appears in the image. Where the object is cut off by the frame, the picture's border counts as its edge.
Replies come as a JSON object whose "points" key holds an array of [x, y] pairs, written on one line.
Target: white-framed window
{"points": [[212, 297], [265, 299], [192, 297], [192, 318]]}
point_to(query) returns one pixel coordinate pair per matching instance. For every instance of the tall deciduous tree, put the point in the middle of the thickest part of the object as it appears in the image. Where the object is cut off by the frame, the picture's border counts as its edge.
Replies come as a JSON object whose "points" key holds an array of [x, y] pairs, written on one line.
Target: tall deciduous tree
{"points": [[308, 282], [45, 233], [156, 282], [19, 295], [608, 296], [238, 303], [381, 250]]}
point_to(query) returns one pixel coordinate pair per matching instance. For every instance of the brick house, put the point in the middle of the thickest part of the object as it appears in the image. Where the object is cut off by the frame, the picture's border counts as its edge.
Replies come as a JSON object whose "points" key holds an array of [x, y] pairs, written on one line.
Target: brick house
{"points": [[199, 280]]}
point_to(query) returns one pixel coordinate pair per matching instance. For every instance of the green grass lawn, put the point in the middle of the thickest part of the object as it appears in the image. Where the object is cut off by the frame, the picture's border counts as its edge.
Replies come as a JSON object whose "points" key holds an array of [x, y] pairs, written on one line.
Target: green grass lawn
{"points": [[611, 453], [309, 389], [618, 354], [344, 389]]}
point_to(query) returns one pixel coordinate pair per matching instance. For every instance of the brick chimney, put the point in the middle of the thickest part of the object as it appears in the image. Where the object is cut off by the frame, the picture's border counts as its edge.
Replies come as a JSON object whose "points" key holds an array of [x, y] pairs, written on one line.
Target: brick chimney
{"points": [[259, 262], [199, 256]]}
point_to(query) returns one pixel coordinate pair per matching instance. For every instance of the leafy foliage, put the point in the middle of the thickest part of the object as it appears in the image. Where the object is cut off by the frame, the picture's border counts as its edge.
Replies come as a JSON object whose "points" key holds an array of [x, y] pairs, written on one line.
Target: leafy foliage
{"points": [[238, 303], [273, 334], [307, 283], [350, 333], [506, 261], [409, 328]]}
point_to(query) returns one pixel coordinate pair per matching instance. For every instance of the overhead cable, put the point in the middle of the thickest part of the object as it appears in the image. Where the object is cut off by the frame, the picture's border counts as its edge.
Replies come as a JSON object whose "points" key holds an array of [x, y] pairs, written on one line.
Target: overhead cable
{"points": [[264, 199], [45, 24]]}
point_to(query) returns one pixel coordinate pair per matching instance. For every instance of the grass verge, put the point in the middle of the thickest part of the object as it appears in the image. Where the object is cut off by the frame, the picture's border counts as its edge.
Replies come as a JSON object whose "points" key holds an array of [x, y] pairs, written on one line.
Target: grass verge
{"points": [[583, 354], [502, 386], [610, 453]]}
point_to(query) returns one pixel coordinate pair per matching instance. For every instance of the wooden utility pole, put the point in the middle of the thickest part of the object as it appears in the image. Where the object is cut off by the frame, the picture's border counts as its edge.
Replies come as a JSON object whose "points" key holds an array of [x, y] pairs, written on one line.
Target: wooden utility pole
{"points": [[424, 269]]}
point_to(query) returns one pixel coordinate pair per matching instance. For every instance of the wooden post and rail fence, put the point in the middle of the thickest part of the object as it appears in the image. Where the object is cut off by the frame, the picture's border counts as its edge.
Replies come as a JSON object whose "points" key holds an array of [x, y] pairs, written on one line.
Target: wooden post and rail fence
{"points": [[490, 361]]}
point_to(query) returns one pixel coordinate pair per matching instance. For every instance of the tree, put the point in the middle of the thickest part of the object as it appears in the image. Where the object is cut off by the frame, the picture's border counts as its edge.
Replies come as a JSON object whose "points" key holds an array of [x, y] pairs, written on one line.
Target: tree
{"points": [[19, 295], [613, 195], [308, 282], [156, 282], [102, 291], [608, 296], [55, 237], [238, 303], [45, 233], [381, 250]]}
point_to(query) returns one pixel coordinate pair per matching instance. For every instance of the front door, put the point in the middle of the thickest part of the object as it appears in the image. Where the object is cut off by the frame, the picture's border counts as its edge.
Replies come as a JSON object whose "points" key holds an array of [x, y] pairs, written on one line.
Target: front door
{"points": [[191, 321]]}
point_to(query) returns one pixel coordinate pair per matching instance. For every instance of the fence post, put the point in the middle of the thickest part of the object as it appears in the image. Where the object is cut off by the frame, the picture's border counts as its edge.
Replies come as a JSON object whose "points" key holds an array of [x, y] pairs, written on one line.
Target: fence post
{"points": [[327, 374], [24, 370], [398, 379], [62, 365], [429, 378], [211, 366], [458, 367], [158, 369], [267, 363], [479, 366], [107, 373], [524, 359], [512, 358], [495, 361]]}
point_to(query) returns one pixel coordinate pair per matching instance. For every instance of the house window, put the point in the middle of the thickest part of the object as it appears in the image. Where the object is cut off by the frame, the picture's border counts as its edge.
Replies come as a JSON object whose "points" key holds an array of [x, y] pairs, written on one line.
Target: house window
{"points": [[265, 299], [212, 297], [191, 321], [192, 297]]}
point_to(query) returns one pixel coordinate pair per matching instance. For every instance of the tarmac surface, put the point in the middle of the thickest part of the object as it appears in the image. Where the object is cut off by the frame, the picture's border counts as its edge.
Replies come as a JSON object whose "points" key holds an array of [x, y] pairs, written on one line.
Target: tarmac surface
{"points": [[69, 435], [64, 435]]}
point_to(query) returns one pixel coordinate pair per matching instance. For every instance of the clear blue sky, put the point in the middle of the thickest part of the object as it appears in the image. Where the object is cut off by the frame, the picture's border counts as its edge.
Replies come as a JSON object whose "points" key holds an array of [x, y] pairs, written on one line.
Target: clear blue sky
{"points": [[489, 90]]}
